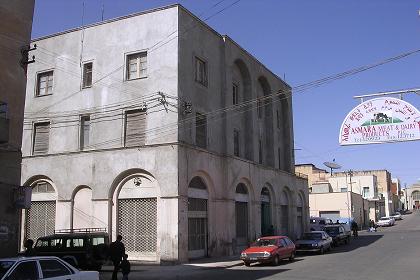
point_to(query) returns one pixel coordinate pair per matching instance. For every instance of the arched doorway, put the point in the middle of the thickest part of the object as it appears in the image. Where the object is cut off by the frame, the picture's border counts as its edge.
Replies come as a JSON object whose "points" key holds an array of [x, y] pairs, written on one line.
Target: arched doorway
{"points": [[284, 213], [136, 215], [299, 216], [197, 218], [82, 209], [40, 218], [266, 224], [416, 199], [241, 215]]}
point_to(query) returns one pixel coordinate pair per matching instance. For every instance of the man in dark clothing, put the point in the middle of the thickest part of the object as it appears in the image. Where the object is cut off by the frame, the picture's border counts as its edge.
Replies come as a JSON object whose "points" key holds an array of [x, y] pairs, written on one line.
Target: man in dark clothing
{"points": [[29, 251], [116, 253], [125, 267], [355, 228]]}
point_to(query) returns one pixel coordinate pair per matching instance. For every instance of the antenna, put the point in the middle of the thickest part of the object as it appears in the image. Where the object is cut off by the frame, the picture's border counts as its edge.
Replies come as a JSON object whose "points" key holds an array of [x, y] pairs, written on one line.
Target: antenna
{"points": [[103, 10], [332, 165]]}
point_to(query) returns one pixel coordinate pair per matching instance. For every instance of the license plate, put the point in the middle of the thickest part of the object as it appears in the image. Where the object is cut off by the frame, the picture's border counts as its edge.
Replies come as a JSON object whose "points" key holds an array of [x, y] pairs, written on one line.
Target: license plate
{"points": [[253, 259]]}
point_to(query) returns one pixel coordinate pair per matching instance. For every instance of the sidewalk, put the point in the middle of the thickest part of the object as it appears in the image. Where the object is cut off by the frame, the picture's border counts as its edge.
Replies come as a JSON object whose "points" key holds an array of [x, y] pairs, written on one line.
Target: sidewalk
{"points": [[205, 263]]}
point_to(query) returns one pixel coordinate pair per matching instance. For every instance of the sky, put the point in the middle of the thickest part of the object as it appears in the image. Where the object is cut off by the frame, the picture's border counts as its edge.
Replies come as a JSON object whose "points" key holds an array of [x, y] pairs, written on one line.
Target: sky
{"points": [[302, 41]]}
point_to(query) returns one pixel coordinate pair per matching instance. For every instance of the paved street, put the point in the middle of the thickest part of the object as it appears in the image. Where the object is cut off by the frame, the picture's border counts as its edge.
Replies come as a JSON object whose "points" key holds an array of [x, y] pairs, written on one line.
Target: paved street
{"points": [[392, 253]]}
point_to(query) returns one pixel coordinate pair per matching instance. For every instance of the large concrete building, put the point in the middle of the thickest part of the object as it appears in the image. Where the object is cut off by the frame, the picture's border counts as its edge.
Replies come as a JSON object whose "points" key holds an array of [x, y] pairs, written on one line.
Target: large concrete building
{"points": [[15, 34], [155, 126]]}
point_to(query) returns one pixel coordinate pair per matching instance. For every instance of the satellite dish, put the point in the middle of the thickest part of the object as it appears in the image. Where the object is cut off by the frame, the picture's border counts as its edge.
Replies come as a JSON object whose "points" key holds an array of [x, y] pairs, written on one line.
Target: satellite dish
{"points": [[332, 165]]}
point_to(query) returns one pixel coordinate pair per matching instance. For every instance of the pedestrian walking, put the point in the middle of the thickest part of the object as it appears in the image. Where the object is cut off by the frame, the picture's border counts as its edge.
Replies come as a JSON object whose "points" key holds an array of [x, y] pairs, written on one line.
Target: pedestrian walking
{"points": [[355, 228], [125, 267], [116, 253]]}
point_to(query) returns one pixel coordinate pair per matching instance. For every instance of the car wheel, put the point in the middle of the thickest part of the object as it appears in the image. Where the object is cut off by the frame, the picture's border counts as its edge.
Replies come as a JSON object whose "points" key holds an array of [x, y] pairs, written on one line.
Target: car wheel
{"points": [[321, 251], [292, 256], [247, 263], [276, 261]]}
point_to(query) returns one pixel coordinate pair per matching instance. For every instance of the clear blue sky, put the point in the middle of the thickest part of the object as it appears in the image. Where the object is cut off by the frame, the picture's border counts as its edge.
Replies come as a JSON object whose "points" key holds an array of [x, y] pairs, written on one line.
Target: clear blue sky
{"points": [[304, 40]]}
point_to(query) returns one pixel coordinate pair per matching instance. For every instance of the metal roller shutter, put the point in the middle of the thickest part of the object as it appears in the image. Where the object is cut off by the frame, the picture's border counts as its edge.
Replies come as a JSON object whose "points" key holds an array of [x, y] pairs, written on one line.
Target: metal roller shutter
{"points": [[40, 219], [137, 223]]}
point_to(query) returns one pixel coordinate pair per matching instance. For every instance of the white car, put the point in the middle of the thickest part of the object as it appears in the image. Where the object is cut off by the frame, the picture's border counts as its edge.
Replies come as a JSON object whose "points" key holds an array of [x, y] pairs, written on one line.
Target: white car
{"points": [[386, 222], [396, 216], [34, 268]]}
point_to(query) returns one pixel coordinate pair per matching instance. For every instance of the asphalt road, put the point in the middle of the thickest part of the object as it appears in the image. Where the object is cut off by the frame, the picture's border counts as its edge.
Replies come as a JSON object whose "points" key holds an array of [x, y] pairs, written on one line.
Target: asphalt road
{"points": [[391, 253]]}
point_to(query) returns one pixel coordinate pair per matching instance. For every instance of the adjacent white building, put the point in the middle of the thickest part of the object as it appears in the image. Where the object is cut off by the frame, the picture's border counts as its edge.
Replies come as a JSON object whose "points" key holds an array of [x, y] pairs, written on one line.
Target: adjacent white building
{"points": [[155, 126]]}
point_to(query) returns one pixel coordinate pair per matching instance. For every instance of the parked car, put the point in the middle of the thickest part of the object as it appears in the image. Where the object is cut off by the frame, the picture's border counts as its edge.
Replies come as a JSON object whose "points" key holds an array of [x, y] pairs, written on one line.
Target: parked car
{"points": [[338, 233], [396, 216], [314, 241], [318, 223], [269, 249], [83, 248], [385, 222], [42, 268]]}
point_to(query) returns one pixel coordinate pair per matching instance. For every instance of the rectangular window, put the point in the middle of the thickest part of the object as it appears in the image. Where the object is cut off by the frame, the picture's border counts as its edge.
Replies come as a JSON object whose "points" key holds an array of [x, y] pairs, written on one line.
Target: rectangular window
{"points": [[201, 130], [278, 119], [235, 94], [236, 142], [3, 110], [41, 138], [137, 66], [279, 157], [260, 152], [343, 189], [87, 75], [366, 191], [44, 83], [135, 127], [84, 132], [200, 71]]}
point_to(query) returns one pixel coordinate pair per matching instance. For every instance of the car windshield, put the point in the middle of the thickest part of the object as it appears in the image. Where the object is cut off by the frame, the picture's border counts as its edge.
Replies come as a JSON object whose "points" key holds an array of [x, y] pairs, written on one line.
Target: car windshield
{"points": [[384, 219], [332, 230], [312, 236], [5, 266], [265, 242]]}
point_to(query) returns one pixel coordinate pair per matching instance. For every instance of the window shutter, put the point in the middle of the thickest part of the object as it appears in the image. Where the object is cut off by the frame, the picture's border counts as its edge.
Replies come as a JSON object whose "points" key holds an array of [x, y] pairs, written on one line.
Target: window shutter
{"points": [[135, 127], [41, 138]]}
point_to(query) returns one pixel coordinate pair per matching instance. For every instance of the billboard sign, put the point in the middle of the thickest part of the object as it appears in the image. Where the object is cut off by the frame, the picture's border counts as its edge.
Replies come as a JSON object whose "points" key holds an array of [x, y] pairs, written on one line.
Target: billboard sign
{"points": [[381, 120]]}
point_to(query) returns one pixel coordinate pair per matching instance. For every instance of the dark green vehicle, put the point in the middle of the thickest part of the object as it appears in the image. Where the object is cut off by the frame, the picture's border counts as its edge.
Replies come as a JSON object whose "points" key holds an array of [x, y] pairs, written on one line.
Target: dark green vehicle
{"points": [[82, 248]]}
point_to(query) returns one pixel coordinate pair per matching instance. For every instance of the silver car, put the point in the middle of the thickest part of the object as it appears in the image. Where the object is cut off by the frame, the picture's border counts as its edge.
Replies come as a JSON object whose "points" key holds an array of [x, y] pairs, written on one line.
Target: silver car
{"points": [[314, 241]]}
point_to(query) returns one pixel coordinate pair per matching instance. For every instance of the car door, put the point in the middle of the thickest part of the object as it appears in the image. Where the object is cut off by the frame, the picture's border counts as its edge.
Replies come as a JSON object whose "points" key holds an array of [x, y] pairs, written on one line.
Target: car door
{"points": [[25, 270], [53, 269], [283, 249]]}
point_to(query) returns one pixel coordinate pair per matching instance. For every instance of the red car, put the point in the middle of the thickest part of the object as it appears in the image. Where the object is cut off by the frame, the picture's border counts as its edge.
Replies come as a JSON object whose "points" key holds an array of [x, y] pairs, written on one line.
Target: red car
{"points": [[269, 249]]}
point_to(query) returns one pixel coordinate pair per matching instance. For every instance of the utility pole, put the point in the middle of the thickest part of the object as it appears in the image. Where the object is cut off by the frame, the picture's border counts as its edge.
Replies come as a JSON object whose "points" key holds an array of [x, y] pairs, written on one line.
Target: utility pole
{"points": [[406, 199], [349, 200]]}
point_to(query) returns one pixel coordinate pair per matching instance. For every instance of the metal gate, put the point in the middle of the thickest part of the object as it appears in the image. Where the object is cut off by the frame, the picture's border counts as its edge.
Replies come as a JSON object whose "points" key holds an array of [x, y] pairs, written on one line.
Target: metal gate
{"points": [[137, 223], [197, 227], [40, 219], [241, 213]]}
